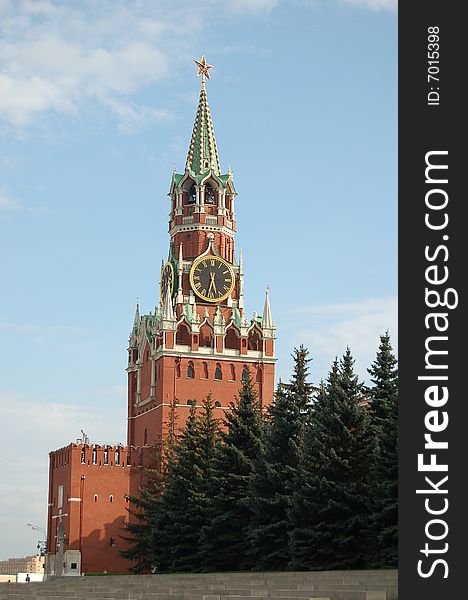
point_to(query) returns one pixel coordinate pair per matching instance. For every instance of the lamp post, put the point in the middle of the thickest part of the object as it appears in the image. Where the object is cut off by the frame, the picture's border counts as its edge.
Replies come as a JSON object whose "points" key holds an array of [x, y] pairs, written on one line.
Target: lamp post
{"points": [[42, 544], [36, 528]]}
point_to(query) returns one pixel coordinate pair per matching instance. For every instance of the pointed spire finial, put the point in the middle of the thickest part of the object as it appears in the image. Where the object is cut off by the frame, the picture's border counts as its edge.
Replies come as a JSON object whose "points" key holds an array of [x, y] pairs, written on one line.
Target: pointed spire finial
{"points": [[136, 320], [203, 153], [267, 321]]}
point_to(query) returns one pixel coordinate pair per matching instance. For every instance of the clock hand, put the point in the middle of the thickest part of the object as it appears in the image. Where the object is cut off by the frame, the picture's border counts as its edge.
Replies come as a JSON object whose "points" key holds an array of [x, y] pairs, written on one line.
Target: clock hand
{"points": [[212, 283]]}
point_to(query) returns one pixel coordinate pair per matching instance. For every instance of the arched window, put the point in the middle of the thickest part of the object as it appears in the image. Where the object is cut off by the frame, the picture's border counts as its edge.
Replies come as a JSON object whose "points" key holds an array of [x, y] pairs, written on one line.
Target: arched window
{"points": [[177, 369], [206, 336], [232, 372], [205, 370], [192, 198], [190, 370], [218, 373], [209, 194], [145, 438], [95, 497], [245, 373], [183, 335], [255, 342], [258, 376], [111, 498], [231, 340]]}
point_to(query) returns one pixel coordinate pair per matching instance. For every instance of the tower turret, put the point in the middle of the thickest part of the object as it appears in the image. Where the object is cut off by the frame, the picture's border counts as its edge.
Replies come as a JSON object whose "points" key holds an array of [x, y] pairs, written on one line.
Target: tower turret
{"points": [[200, 339]]}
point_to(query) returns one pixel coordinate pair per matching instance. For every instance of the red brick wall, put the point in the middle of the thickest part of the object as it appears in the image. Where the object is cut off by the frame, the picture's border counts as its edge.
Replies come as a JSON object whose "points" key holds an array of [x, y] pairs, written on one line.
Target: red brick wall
{"points": [[92, 526]]}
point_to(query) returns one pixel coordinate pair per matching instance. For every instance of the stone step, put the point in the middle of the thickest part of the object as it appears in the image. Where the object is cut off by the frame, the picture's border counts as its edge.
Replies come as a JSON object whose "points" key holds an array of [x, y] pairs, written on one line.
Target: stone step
{"points": [[355, 595]]}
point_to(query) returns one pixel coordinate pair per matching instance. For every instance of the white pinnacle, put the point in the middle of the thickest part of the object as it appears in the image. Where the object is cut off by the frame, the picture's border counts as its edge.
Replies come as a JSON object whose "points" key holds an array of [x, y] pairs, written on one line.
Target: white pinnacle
{"points": [[168, 312], [267, 321]]}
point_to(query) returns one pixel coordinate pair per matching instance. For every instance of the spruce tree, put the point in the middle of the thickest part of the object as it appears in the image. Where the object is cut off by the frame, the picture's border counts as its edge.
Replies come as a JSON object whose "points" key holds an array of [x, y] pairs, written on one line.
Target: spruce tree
{"points": [[300, 389], [383, 410], [183, 504], [275, 469], [329, 511], [144, 513], [224, 540]]}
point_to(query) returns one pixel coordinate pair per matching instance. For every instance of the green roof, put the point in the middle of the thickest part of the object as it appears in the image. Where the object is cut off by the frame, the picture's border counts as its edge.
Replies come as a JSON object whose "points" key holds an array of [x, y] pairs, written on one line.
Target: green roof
{"points": [[203, 152], [177, 178]]}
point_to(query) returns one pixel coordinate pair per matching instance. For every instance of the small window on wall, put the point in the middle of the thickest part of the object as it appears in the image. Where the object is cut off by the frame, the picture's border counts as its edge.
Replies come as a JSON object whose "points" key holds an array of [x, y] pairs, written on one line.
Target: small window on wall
{"points": [[95, 497], [145, 438], [245, 373], [218, 404], [190, 371], [191, 402], [218, 373], [60, 497], [205, 370], [233, 372], [111, 498]]}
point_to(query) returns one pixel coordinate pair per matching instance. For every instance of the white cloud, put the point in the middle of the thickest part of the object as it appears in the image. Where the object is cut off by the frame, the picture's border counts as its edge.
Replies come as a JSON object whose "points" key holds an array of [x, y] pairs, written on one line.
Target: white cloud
{"points": [[40, 7], [328, 329], [61, 57], [374, 4], [35, 427], [58, 59], [253, 6], [8, 204], [133, 117]]}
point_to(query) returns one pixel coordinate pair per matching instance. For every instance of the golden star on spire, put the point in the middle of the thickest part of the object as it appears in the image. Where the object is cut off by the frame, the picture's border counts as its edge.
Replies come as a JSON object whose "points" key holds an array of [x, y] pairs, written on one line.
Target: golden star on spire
{"points": [[203, 67]]}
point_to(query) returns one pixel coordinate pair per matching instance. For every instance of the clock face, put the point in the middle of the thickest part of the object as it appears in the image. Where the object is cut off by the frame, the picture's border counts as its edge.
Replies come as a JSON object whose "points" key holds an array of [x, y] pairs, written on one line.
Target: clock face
{"points": [[167, 280], [212, 278]]}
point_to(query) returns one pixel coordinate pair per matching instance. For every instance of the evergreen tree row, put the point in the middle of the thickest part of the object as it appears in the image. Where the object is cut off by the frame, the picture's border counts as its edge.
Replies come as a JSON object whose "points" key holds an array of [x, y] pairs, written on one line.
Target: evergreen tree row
{"points": [[310, 485]]}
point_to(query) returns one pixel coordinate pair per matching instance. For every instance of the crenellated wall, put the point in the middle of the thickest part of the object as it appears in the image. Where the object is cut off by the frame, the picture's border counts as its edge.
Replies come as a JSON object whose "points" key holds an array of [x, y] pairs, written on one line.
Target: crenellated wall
{"points": [[87, 514]]}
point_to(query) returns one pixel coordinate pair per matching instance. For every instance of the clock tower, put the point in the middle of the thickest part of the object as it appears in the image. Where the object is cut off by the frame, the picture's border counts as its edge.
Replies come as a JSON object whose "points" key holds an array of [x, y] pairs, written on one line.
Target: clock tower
{"points": [[199, 338]]}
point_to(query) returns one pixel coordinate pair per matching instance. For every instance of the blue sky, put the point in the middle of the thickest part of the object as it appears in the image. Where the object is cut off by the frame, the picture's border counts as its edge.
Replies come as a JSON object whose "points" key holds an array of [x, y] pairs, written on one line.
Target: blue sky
{"points": [[97, 101]]}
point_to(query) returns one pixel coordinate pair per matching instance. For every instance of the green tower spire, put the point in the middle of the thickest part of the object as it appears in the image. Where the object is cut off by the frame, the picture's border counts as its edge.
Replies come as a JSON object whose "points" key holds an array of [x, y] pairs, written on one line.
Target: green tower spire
{"points": [[203, 152]]}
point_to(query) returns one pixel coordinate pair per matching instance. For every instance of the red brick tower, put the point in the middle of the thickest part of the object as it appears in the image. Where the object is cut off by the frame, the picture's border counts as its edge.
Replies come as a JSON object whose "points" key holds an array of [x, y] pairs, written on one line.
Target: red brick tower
{"points": [[199, 339]]}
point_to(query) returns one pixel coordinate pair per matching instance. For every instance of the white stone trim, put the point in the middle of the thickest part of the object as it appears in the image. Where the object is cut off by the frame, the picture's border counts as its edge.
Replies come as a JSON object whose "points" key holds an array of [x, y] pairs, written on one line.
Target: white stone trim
{"points": [[255, 355], [200, 227]]}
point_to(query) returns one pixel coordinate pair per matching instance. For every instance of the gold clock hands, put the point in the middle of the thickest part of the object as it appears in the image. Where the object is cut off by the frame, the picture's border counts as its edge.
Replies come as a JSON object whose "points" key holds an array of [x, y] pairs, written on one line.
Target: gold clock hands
{"points": [[212, 283]]}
